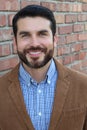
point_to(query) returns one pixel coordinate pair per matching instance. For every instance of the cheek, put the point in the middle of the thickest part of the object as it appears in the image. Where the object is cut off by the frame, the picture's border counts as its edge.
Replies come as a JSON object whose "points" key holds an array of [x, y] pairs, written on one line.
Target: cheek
{"points": [[21, 45], [48, 42]]}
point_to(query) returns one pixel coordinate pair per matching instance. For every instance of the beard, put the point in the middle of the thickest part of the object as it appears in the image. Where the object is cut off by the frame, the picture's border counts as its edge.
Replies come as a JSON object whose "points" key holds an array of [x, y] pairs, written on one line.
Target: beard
{"points": [[35, 63]]}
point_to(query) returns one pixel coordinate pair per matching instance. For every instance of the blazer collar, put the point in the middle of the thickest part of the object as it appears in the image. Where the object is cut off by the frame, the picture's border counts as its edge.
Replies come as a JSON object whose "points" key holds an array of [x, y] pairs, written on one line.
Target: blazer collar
{"points": [[62, 87], [16, 95]]}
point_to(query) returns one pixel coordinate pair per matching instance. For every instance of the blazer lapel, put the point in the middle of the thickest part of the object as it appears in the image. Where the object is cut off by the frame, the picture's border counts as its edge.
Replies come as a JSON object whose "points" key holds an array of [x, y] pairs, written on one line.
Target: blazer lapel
{"points": [[60, 96], [16, 95], [59, 100]]}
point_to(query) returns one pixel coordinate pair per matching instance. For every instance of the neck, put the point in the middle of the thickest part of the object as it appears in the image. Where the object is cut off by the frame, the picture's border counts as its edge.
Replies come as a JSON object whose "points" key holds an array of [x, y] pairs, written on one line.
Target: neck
{"points": [[38, 74]]}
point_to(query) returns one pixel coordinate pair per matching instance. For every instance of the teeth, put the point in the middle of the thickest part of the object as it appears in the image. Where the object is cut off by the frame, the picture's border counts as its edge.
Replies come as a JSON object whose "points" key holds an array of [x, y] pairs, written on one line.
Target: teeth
{"points": [[34, 53]]}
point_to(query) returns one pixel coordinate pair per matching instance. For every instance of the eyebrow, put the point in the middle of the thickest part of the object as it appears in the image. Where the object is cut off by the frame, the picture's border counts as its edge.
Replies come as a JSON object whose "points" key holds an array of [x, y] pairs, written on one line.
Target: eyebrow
{"points": [[26, 32], [45, 31]]}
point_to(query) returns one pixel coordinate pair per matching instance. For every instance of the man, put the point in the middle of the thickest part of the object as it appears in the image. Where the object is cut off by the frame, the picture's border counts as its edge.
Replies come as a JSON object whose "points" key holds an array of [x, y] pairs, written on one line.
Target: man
{"points": [[40, 93]]}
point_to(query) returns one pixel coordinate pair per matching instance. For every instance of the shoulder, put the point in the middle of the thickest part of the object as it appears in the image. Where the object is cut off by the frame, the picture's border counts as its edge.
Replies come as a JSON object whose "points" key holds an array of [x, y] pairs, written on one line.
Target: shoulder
{"points": [[76, 79], [72, 74], [76, 84], [9, 77], [78, 87], [4, 77]]}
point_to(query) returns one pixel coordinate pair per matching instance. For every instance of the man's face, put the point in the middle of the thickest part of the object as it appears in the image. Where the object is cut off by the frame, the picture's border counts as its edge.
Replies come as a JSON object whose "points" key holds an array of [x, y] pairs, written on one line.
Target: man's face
{"points": [[35, 42]]}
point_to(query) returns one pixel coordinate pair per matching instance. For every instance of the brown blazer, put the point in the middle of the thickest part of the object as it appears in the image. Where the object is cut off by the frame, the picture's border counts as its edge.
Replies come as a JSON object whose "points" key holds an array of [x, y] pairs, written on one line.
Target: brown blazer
{"points": [[70, 103]]}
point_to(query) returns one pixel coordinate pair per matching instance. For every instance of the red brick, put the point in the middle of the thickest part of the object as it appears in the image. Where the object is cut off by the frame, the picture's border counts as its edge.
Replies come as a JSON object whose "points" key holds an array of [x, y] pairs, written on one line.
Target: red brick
{"points": [[63, 7], [86, 26], [61, 40], [60, 18], [78, 27], [5, 34], [73, 58], [2, 20], [67, 60], [84, 1], [70, 18], [9, 5], [71, 38], [25, 3], [84, 63], [65, 29], [66, 0], [66, 50], [82, 37], [82, 17], [84, 7], [5, 50], [70, 0], [82, 55], [50, 5], [63, 50], [76, 56], [10, 17], [76, 47], [76, 7], [8, 63], [85, 45]]}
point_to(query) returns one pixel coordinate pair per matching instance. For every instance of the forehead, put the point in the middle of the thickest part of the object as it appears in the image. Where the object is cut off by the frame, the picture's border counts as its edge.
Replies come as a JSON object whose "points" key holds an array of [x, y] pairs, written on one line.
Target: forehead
{"points": [[32, 23]]}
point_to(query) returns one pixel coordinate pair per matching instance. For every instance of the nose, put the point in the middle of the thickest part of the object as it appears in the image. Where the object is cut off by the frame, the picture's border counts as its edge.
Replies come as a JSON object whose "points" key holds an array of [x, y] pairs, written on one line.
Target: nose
{"points": [[34, 40]]}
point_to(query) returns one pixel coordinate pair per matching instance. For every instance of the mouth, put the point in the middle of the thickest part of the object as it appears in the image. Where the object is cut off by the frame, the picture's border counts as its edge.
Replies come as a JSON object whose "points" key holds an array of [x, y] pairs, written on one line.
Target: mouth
{"points": [[35, 52]]}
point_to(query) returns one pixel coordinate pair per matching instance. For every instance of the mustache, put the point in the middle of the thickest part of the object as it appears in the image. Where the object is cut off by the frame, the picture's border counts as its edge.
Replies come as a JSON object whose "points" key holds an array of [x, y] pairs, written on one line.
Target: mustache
{"points": [[35, 49]]}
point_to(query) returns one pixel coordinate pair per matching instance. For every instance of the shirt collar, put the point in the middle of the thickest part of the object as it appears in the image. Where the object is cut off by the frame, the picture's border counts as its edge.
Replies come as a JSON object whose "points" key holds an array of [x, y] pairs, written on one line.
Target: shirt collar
{"points": [[51, 71], [25, 77]]}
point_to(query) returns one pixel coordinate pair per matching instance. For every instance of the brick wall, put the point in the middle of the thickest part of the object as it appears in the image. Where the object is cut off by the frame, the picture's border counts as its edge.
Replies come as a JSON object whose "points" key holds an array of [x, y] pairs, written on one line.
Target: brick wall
{"points": [[71, 19]]}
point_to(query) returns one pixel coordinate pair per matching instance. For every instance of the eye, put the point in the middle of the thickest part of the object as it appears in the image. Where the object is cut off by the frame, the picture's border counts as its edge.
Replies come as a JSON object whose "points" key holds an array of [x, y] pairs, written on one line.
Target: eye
{"points": [[24, 35], [43, 33]]}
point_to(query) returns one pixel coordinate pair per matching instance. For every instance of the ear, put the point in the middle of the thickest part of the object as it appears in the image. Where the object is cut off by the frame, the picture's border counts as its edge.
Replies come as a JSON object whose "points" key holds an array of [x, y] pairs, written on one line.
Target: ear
{"points": [[55, 40]]}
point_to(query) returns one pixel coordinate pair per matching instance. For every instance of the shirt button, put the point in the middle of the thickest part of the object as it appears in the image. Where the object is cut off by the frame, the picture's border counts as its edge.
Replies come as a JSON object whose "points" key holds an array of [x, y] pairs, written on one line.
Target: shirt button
{"points": [[39, 91], [39, 113], [48, 81]]}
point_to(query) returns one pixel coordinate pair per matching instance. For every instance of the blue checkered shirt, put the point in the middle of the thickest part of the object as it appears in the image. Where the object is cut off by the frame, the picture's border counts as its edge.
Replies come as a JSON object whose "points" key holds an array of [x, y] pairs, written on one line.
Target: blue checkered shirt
{"points": [[39, 97]]}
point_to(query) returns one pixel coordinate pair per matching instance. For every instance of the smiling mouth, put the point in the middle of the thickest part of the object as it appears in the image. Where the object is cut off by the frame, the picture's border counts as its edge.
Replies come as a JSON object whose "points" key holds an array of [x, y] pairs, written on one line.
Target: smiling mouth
{"points": [[35, 52]]}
